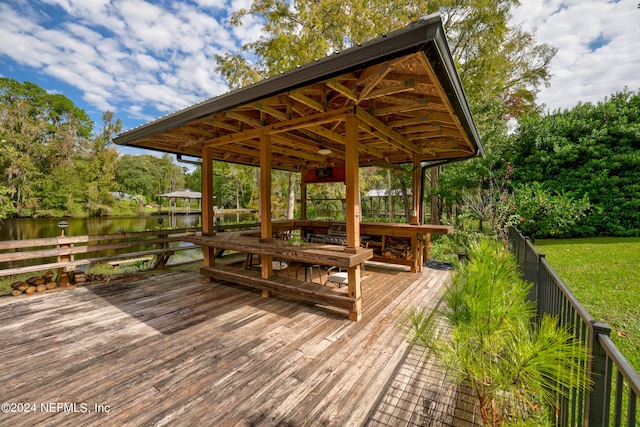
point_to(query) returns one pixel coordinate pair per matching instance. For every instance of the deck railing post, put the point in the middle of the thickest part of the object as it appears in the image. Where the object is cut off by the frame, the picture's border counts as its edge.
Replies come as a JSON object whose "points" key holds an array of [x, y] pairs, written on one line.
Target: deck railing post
{"points": [[597, 404], [540, 286]]}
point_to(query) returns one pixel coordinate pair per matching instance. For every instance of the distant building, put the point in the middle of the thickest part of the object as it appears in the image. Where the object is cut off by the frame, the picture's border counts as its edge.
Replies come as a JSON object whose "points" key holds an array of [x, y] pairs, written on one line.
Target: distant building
{"points": [[120, 195]]}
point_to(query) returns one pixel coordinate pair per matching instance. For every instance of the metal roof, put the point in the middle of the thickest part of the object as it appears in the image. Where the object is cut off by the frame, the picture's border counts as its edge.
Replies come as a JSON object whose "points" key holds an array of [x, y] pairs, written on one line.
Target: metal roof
{"points": [[184, 194], [403, 88]]}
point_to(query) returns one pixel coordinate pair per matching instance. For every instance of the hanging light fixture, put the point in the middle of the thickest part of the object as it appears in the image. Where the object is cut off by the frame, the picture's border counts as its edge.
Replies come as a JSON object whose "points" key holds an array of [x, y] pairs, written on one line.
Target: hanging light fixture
{"points": [[324, 151]]}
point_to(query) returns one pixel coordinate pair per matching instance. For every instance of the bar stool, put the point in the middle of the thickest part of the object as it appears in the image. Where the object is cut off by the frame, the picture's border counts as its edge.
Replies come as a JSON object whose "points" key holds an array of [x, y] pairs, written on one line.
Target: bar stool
{"points": [[276, 265], [249, 265], [308, 269], [279, 265]]}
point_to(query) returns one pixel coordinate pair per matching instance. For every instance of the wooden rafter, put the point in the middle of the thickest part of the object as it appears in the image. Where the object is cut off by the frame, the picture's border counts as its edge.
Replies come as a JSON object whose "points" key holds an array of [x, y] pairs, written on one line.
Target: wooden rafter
{"points": [[380, 72], [408, 86], [327, 133], [416, 78], [303, 99], [224, 125], [394, 137], [260, 106], [243, 119], [284, 126], [378, 75], [444, 99], [342, 89]]}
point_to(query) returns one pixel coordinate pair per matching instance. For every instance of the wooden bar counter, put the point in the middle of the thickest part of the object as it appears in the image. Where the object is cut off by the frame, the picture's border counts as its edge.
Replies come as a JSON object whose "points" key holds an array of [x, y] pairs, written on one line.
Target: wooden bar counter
{"points": [[308, 252], [331, 255], [419, 237]]}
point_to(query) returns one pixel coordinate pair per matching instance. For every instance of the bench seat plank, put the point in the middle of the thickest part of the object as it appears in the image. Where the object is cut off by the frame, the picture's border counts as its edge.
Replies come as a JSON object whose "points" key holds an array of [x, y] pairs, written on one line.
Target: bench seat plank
{"points": [[307, 291]]}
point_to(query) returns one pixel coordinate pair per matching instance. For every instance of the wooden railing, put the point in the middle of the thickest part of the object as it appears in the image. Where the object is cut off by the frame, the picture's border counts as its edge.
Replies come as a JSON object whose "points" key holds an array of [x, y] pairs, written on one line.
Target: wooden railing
{"points": [[69, 252], [613, 399]]}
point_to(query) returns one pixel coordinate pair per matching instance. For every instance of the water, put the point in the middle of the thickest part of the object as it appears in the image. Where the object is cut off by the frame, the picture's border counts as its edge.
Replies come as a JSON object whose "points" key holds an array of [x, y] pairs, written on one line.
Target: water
{"points": [[34, 228]]}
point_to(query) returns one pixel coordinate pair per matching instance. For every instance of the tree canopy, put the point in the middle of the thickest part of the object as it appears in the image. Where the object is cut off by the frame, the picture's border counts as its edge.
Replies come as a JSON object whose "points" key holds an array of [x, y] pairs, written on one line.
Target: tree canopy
{"points": [[47, 149], [589, 150], [501, 65], [148, 175], [496, 60]]}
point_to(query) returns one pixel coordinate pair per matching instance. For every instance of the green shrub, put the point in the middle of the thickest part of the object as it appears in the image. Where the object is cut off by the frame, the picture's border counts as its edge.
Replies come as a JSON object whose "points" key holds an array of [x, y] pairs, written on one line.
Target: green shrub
{"points": [[516, 368], [538, 213]]}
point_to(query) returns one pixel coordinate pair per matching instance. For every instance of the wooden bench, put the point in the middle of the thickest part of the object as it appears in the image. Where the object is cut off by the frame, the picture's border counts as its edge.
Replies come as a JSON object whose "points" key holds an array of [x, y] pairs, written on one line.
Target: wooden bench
{"points": [[68, 266], [331, 255], [308, 253], [306, 291], [143, 260]]}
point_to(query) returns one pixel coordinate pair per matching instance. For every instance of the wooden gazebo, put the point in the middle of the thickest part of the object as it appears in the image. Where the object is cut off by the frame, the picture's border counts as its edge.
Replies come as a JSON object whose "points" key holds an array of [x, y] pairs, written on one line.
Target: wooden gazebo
{"points": [[186, 195], [394, 100]]}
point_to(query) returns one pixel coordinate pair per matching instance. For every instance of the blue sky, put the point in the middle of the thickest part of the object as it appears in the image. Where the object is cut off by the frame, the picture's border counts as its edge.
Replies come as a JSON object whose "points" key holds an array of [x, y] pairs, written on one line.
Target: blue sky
{"points": [[144, 59]]}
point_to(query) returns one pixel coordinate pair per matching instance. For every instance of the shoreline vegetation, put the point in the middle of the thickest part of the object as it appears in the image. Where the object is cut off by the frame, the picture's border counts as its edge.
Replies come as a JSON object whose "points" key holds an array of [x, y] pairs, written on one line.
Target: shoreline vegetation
{"points": [[148, 211]]}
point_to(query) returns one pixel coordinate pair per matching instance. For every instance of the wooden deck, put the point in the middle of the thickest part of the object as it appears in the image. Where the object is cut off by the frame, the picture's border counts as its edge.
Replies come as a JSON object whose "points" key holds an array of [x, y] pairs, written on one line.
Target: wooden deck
{"points": [[170, 349]]}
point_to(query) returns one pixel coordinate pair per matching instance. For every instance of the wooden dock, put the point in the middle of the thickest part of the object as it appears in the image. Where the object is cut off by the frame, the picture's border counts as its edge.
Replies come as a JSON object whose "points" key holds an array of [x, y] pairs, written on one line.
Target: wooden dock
{"points": [[167, 348]]}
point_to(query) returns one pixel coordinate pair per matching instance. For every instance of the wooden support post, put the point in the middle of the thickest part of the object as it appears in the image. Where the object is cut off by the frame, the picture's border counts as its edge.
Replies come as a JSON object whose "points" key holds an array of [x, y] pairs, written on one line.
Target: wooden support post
{"points": [[415, 192], [416, 178], [355, 291], [265, 204], [415, 266], [303, 200], [421, 238], [63, 278], [353, 212], [427, 247], [352, 184], [208, 214]]}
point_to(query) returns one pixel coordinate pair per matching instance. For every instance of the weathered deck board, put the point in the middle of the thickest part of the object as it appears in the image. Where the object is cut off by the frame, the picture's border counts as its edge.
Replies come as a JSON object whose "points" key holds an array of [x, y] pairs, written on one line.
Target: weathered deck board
{"points": [[172, 349]]}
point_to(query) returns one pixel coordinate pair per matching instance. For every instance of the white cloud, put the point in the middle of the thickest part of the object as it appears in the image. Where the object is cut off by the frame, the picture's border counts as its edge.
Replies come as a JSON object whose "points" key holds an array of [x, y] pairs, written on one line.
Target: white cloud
{"points": [[580, 75], [213, 4], [144, 58], [127, 53]]}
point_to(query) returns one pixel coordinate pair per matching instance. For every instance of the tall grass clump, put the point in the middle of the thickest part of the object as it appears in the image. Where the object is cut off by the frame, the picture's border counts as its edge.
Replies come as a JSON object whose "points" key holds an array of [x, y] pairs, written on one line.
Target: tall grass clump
{"points": [[485, 337]]}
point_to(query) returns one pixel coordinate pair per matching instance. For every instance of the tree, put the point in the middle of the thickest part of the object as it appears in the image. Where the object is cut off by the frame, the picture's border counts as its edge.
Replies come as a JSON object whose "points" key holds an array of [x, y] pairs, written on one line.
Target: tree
{"points": [[148, 175], [44, 135], [6, 208], [501, 67], [588, 151], [193, 179], [234, 185], [101, 160], [513, 365]]}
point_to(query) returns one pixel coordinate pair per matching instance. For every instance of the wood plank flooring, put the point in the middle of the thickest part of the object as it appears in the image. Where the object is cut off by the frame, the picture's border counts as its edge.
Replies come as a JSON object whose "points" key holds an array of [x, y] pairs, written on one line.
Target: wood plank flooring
{"points": [[170, 349]]}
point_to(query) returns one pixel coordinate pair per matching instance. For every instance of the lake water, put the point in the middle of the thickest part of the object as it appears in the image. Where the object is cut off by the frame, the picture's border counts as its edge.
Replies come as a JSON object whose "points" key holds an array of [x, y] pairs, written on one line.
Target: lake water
{"points": [[34, 228]]}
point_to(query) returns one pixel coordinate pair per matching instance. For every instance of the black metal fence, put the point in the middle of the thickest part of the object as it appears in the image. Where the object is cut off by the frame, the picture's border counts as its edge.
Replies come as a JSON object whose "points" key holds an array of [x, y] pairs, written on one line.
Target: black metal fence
{"points": [[616, 385]]}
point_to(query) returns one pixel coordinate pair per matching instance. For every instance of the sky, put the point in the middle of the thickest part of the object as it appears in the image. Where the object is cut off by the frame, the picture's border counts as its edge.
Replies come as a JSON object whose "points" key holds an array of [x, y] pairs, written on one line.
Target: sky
{"points": [[143, 59]]}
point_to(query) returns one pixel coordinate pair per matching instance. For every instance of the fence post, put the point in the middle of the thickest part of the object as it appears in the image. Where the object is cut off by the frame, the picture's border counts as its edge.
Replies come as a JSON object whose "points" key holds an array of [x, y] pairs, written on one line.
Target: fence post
{"points": [[539, 288], [597, 404]]}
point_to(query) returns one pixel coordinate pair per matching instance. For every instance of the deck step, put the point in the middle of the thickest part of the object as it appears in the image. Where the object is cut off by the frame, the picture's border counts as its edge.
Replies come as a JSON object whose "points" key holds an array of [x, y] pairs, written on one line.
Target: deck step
{"points": [[307, 291]]}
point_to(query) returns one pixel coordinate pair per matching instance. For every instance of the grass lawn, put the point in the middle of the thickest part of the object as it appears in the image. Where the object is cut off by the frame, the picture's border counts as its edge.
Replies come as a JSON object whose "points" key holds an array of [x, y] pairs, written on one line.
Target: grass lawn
{"points": [[604, 274]]}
